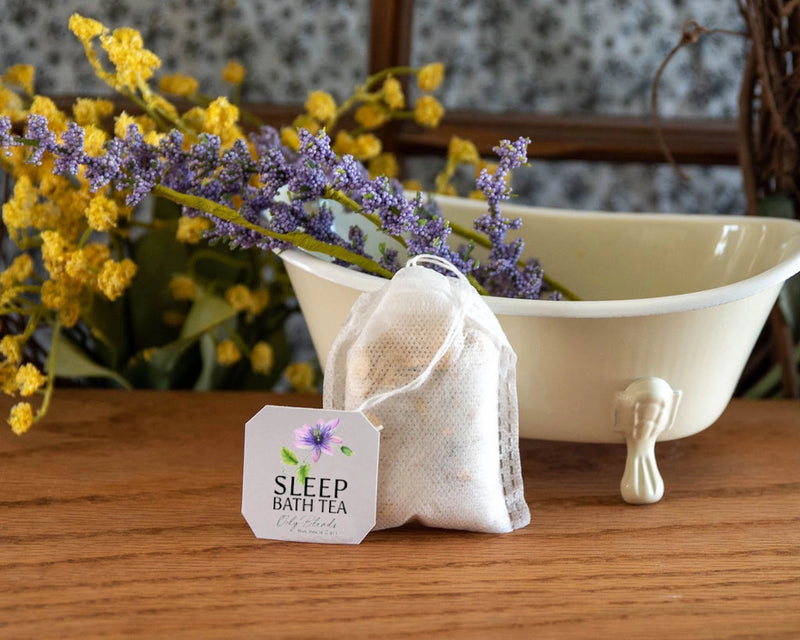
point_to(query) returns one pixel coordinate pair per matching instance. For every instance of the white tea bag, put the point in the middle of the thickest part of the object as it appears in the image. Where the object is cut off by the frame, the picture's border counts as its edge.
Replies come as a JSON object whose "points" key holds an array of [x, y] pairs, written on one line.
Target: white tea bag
{"points": [[425, 357]]}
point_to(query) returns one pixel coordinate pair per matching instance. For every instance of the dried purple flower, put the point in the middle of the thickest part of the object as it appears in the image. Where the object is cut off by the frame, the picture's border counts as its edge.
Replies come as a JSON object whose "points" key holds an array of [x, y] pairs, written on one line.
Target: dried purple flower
{"points": [[71, 154], [7, 138], [285, 192], [39, 132]]}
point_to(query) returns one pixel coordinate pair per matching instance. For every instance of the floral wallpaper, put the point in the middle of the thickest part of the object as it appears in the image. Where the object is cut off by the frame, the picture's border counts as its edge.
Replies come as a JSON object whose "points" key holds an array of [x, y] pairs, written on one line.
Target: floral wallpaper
{"points": [[549, 56], [580, 56], [287, 46], [591, 57]]}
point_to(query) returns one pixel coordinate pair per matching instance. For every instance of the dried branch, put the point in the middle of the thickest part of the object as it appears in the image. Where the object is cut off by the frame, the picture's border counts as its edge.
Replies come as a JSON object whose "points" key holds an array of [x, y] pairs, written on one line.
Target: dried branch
{"points": [[690, 34]]}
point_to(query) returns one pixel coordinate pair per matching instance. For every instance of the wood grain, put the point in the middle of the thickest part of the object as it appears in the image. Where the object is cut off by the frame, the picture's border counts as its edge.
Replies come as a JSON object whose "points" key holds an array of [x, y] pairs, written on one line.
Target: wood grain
{"points": [[575, 137], [119, 516]]}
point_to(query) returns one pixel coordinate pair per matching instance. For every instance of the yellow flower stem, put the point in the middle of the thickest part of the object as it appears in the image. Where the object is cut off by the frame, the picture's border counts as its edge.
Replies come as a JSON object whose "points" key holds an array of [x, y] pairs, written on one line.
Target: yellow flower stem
{"points": [[29, 288], [343, 108], [162, 119], [297, 238], [444, 176], [33, 322], [51, 372], [361, 94], [11, 310], [389, 71], [403, 115], [22, 306], [85, 237]]}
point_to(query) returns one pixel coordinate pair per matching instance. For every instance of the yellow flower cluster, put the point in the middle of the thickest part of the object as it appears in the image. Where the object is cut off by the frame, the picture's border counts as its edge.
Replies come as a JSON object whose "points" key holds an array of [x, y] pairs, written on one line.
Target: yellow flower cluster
{"points": [[228, 353], [191, 230], [393, 93], [321, 106], [428, 112], [262, 357], [300, 376], [178, 84], [183, 287], [134, 65], [72, 241], [233, 73], [384, 164], [115, 277], [361, 147], [244, 299], [21, 417], [16, 378], [220, 118], [372, 115], [17, 78], [58, 216], [377, 102], [430, 76], [89, 112], [459, 152]]}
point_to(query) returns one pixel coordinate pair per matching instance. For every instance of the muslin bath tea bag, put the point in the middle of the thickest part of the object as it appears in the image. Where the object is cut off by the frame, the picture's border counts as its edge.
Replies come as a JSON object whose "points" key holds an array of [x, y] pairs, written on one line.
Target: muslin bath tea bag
{"points": [[426, 358]]}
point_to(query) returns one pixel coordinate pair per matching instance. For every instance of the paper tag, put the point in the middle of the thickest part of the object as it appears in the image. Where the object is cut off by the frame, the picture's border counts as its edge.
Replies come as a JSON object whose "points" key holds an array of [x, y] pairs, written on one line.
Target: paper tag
{"points": [[310, 475]]}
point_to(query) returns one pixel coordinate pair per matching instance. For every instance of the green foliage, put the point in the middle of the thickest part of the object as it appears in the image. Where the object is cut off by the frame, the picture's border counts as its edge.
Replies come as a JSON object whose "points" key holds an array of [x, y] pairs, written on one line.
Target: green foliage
{"points": [[149, 339], [780, 206]]}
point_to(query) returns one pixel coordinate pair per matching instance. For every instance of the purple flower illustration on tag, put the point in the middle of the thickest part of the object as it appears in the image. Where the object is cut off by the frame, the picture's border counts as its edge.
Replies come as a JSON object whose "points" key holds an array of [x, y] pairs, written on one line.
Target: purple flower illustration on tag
{"points": [[318, 438]]}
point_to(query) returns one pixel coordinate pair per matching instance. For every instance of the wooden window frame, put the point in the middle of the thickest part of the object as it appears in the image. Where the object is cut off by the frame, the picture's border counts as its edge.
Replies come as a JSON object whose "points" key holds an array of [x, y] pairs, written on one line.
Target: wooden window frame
{"points": [[597, 138]]}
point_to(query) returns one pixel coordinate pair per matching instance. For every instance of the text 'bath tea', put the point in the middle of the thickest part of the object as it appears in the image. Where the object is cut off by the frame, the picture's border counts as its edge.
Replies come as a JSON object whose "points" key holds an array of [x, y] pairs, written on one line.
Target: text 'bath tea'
{"points": [[310, 475]]}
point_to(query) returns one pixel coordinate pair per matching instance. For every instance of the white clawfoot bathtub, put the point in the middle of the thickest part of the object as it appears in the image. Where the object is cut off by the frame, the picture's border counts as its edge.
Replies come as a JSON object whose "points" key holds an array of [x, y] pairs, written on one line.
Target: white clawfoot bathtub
{"points": [[671, 306]]}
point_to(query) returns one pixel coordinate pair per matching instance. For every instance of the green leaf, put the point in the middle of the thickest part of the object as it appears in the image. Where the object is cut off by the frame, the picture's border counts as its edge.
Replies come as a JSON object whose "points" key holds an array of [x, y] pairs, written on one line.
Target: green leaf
{"points": [[207, 311], [288, 457], [303, 471], [109, 325], [346, 451], [166, 366], [224, 266], [777, 206], [208, 358], [72, 362], [158, 255], [789, 300]]}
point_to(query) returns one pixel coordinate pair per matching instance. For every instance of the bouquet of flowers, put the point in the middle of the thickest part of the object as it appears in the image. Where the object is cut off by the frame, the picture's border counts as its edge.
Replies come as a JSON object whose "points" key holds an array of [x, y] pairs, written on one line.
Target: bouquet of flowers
{"points": [[188, 292]]}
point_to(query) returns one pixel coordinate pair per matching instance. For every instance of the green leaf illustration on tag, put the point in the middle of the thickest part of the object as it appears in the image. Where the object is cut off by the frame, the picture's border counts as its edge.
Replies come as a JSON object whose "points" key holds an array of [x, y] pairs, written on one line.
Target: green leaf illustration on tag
{"points": [[303, 472], [288, 457], [346, 450]]}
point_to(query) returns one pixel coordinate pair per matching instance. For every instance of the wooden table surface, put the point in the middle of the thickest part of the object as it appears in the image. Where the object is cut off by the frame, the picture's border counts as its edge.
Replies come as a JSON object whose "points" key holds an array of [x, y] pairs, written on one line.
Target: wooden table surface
{"points": [[120, 517]]}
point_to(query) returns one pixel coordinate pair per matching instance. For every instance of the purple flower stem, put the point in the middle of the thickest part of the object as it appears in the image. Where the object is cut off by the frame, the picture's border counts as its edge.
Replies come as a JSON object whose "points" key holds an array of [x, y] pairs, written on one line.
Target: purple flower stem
{"points": [[297, 238]]}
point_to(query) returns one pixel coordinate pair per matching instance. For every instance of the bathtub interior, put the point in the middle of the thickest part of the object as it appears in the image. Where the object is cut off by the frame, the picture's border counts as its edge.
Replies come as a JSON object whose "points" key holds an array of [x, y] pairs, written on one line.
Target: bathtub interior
{"points": [[624, 256]]}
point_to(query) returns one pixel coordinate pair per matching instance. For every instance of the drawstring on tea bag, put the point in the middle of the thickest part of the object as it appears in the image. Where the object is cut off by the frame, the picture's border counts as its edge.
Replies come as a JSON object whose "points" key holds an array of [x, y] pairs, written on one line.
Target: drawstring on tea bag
{"points": [[452, 332]]}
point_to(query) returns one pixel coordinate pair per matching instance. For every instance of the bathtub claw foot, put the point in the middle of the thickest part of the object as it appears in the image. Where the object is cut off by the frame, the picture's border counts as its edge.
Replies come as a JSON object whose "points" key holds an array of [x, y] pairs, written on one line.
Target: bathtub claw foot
{"points": [[644, 411]]}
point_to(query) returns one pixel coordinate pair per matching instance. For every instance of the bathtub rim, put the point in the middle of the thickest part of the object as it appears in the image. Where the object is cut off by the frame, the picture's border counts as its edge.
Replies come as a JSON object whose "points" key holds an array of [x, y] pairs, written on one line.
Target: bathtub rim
{"points": [[788, 266]]}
